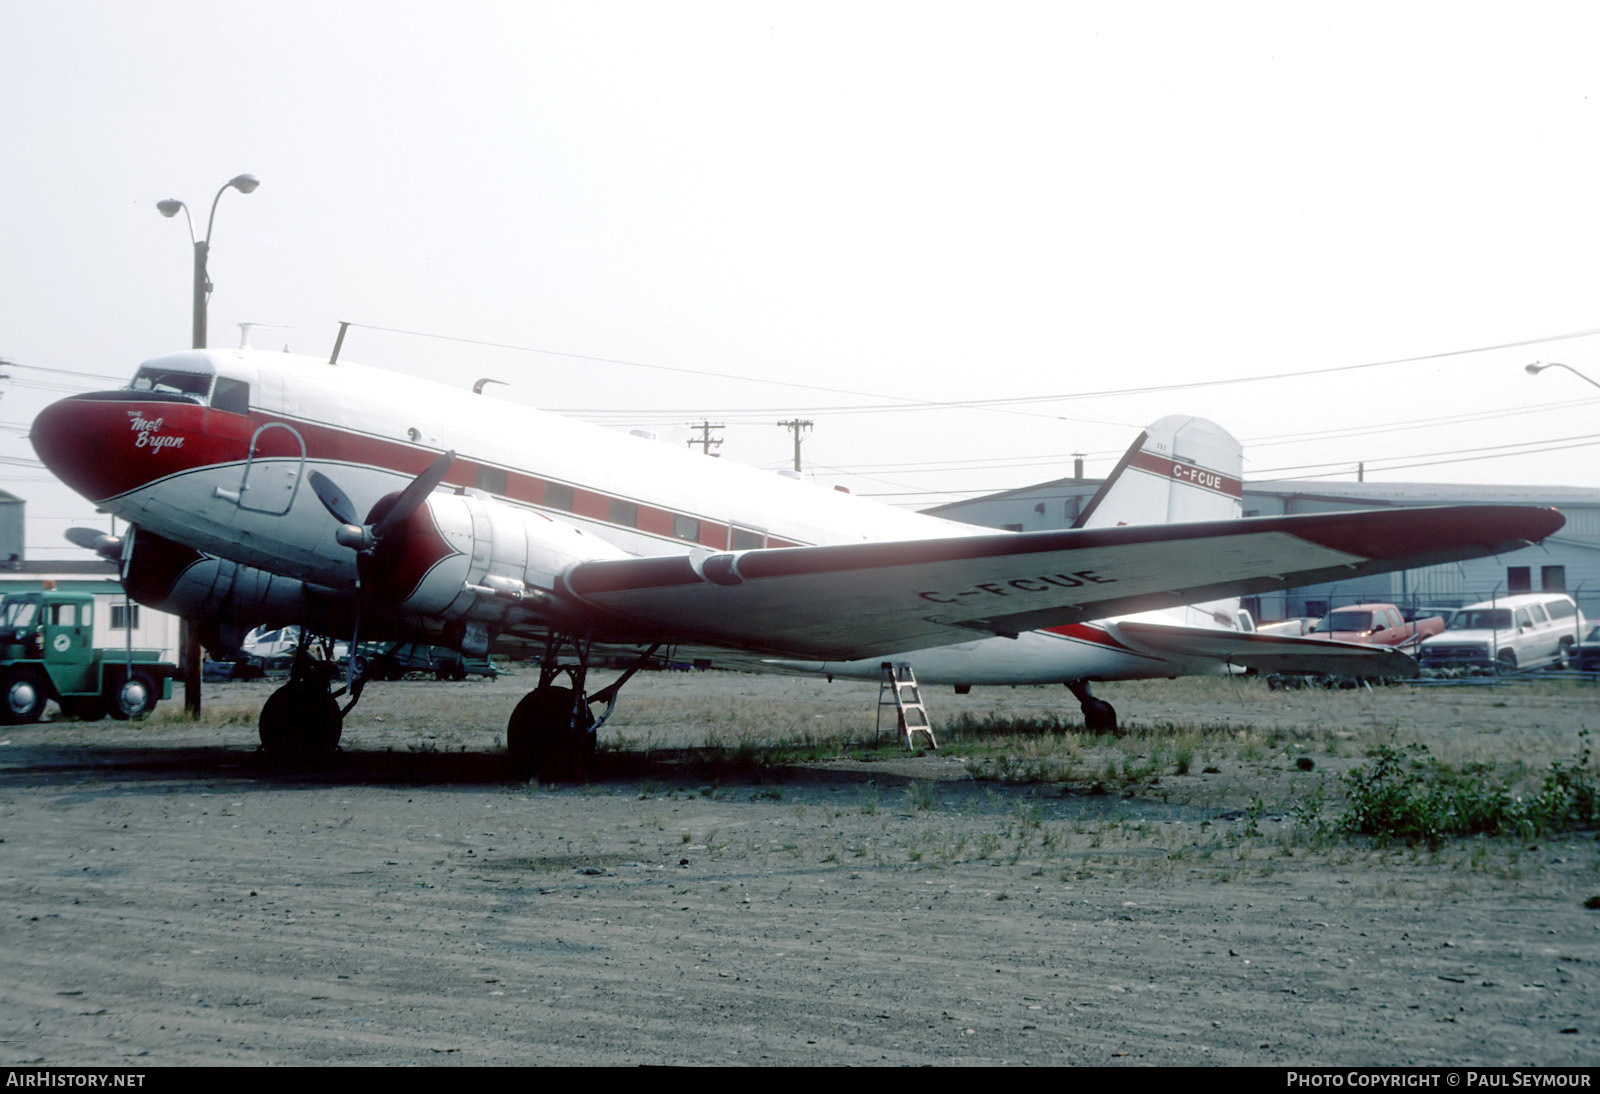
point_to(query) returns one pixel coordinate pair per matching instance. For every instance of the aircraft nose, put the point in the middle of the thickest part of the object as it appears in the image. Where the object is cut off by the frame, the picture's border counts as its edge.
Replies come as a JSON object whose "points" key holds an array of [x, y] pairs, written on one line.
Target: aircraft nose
{"points": [[105, 444]]}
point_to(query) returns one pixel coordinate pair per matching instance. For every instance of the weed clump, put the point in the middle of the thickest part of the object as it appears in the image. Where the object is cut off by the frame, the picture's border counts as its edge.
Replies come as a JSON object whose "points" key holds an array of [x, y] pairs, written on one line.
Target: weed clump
{"points": [[1405, 794]]}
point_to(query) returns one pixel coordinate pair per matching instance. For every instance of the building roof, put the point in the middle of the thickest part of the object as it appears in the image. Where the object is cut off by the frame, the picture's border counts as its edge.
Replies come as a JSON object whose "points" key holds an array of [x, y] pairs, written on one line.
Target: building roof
{"points": [[1374, 493]]}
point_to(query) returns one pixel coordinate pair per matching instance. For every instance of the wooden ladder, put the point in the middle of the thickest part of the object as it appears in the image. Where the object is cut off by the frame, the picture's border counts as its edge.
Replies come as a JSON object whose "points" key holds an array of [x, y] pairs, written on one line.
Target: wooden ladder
{"points": [[900, 684]]}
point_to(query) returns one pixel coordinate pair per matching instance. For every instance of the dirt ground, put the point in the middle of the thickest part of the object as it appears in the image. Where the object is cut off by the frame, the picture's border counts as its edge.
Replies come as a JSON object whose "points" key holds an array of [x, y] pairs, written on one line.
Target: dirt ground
{"points": [[174, 900]]}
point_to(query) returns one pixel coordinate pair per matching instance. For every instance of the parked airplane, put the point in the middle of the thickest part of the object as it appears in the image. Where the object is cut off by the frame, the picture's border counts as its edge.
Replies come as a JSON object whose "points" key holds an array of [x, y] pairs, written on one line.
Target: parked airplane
{"points": [[242, 474]]}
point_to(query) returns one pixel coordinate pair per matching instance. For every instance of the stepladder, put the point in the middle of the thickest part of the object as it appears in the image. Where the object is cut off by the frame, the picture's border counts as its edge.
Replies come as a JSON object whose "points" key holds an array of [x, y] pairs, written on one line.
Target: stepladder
{"points": [[898, 688]]}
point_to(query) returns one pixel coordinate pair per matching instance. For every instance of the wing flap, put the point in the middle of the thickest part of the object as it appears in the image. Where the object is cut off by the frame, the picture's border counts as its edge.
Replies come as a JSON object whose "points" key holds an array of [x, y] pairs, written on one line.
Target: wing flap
{"points": [[855, 600], [1267, 652]]}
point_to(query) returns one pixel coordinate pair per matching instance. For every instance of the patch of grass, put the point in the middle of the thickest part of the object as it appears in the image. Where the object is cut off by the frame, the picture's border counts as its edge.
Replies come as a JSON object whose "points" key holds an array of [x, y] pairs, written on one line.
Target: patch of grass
{"points": [[1406, 794], [922, 795]]}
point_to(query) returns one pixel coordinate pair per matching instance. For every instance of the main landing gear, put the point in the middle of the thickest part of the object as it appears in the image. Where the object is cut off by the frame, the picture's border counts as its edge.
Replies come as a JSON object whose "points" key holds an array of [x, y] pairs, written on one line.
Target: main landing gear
{"points": [[1099, 716], [552, 732], [302, 721]]}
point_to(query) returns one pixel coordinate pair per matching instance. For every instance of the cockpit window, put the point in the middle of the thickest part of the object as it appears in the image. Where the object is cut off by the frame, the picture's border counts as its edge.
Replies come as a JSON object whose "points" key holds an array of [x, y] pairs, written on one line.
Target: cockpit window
{"points": [[231, 395], [171, 382]]}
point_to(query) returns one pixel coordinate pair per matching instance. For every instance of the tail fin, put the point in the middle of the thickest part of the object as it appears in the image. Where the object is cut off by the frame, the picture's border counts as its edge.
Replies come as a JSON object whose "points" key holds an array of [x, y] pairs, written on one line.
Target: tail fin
{"points": [[1179, 469]]}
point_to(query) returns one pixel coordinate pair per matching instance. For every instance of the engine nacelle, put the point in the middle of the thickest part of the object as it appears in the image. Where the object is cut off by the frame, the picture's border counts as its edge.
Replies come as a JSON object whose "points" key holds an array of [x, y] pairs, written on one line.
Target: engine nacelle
{"points": [[473, 564], [228, 597]]}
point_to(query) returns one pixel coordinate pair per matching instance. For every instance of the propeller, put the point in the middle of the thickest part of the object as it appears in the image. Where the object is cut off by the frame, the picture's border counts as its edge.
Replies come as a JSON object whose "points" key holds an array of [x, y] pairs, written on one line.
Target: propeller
{"points": [[385, 516], [388, 514], [92, 539]]}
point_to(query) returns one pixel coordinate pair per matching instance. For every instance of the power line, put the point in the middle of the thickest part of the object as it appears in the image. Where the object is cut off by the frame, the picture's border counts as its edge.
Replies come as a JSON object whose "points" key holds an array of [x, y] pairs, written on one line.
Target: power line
{"points": [[901, 403]]}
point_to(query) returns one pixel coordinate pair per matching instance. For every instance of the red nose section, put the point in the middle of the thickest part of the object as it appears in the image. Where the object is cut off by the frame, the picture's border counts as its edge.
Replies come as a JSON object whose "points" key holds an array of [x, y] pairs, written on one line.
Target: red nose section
{"points": [[103, 445]]}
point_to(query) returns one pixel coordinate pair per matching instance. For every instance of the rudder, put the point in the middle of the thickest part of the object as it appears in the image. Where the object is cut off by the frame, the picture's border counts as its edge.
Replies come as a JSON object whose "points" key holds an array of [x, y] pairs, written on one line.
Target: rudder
{"points": [[1181, 468]]}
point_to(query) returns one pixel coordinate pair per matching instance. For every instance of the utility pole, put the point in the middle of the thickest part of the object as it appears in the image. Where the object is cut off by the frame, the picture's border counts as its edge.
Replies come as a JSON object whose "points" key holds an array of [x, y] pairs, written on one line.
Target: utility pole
{"points": [[798, 426], [706, 441]]}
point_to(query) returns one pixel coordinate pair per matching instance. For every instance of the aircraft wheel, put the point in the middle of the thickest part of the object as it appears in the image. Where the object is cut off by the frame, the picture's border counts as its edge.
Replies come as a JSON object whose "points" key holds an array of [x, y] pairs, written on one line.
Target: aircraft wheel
{"points": [[1099, 716], [542, 741], [24, 697], [300, 722], [131, 696]]}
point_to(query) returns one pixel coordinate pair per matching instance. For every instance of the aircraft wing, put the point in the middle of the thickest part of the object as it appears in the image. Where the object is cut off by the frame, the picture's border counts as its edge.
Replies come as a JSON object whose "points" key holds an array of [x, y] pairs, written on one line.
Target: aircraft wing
{"points": [[858, 600], [1268, 652]]}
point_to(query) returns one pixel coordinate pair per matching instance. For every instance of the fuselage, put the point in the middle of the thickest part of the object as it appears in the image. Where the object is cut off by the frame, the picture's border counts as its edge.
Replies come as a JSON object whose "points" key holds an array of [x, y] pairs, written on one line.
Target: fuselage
{"points": [[212, 449]]}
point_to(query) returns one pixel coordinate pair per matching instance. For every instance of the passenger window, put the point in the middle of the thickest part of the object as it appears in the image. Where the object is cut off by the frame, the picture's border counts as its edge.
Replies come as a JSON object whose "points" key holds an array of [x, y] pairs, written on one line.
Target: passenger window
{"points": [[492, 480], [558, 496]]}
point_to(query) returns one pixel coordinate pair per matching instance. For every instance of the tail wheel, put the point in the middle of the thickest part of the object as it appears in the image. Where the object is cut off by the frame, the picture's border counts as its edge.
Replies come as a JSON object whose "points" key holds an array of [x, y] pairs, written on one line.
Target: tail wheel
{"points": [[24, 697], [130, 696]]}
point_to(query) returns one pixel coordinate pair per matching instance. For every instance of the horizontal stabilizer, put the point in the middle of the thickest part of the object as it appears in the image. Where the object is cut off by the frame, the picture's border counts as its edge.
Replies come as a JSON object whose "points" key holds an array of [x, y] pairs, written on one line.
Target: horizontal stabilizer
{"points": [[1267, 652]]}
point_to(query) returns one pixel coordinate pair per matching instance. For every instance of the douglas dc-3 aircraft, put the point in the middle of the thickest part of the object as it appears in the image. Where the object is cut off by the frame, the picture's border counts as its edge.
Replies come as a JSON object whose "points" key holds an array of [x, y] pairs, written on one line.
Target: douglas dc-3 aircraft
{"points": [[264, 488]]}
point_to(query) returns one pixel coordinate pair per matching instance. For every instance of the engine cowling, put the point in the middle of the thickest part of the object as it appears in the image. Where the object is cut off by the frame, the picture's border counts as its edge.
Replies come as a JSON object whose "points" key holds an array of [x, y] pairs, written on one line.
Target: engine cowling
{"points": [[226, 597], [472, 564]]}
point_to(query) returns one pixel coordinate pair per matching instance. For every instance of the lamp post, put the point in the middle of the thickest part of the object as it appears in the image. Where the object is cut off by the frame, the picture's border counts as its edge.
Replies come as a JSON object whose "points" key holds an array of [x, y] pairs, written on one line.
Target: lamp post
{"points": [[189, 636], [245, 184], [1538, 367]]}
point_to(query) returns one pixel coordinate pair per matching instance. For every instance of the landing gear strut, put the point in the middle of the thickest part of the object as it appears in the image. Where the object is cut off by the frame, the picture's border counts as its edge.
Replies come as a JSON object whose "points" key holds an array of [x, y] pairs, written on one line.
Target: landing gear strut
{"points": [[1099, 716], [551, 734]]}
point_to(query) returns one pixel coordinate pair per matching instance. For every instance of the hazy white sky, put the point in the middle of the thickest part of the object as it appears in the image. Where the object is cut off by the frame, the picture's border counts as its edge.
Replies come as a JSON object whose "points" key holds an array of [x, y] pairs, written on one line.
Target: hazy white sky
{"points": [[890, 202]]}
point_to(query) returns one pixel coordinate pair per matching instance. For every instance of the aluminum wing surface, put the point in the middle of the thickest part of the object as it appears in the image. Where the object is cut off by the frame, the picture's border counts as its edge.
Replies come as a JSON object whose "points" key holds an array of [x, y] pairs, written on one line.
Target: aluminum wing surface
{"points": [[858, 600], [1267, 652]]}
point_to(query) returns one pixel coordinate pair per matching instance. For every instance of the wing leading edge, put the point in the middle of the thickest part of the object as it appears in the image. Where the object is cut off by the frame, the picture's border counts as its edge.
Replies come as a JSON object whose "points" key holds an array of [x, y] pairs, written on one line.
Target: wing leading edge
{"points": [[856, 600]]}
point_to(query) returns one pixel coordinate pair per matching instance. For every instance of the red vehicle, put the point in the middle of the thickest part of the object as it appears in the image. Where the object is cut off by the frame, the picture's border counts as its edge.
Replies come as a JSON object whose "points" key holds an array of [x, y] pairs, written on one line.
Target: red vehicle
{"points": [[1375, 625]]}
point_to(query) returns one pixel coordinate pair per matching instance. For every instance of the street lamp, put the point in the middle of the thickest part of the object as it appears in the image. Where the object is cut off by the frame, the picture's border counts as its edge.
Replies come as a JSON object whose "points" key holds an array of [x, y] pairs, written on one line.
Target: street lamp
{"points": [[245, 184], [1538, 367], [189, 637]]}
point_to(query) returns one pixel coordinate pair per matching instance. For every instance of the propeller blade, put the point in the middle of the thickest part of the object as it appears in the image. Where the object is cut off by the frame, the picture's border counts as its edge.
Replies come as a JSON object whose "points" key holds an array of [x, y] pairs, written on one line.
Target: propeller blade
{"points": [[412, 497], [332, 498], [92, 539]]}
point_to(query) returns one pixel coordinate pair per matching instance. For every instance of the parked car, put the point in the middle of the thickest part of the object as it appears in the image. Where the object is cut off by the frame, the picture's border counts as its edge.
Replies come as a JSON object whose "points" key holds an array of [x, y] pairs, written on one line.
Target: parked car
{"points": [[1374, 625], [272, 649], [1585, 655], [1429, 611], [1531, 630], [441, 662]]}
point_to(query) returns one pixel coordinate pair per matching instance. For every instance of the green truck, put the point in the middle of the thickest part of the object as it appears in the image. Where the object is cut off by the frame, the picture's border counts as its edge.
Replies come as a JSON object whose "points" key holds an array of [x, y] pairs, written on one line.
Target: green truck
{"points": [[47, 652]]}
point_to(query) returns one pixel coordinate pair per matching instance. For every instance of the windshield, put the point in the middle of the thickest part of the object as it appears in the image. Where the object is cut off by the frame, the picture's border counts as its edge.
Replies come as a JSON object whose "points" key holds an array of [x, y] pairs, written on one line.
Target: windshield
{"points": [[18, 611], [1345, 621], [1481, 619], [171, 382]]}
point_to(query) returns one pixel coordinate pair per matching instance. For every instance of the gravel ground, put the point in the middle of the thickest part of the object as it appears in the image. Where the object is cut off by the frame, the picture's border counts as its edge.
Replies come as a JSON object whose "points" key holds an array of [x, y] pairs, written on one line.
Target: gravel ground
{"points": [[173, 900]]}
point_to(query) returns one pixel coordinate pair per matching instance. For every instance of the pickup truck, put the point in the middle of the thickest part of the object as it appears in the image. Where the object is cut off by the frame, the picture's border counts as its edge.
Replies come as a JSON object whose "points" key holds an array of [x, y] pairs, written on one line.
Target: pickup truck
{"points": [[1375, 625]]}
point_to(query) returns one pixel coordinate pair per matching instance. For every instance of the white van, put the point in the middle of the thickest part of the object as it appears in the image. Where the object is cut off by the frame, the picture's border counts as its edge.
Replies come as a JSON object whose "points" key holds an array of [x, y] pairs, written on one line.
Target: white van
{"points": [[1508, 633]]}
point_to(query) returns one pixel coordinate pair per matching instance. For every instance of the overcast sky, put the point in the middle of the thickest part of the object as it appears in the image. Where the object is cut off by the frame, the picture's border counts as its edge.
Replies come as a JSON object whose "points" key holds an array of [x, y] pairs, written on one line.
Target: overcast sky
{"points": [[753, 211]]}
